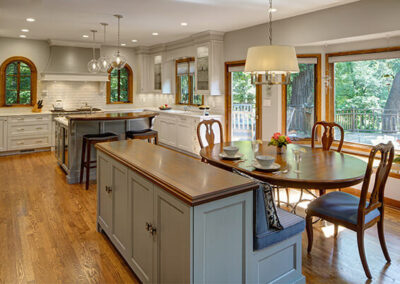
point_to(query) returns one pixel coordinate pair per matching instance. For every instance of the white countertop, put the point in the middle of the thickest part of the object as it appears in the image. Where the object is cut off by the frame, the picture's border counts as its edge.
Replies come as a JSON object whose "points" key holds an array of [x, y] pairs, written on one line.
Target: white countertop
{"points": [[196, 114], [62, 120]]}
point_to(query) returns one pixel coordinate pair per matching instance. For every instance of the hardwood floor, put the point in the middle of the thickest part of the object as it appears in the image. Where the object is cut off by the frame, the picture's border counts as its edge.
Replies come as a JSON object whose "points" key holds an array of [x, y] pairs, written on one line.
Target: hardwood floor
{"points": [[48, 235]]}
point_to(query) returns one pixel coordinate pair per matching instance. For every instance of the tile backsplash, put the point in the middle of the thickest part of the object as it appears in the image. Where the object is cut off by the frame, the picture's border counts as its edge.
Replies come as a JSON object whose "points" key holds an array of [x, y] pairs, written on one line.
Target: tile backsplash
{"points": [[75, 94]]}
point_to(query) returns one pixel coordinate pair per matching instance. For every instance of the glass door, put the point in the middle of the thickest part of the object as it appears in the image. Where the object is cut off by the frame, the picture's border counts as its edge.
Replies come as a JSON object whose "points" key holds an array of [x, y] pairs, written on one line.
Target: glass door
{"points": [[243, 114]]}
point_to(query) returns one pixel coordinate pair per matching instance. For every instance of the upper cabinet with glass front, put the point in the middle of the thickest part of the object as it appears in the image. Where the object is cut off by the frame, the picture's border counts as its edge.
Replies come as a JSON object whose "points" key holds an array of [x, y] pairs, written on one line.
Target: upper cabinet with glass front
{"points": [[157, 73], [210, 68]]}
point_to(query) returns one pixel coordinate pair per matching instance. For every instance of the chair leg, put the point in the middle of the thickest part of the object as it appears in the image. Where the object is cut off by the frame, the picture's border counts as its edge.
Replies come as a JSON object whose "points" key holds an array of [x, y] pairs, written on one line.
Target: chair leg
{"points": [[309, 232], [336, 231], [381, 235], [361, 250], [156, 139], [322, 192], [279, 198], [89, 146], [82, 160], [287, 195]]}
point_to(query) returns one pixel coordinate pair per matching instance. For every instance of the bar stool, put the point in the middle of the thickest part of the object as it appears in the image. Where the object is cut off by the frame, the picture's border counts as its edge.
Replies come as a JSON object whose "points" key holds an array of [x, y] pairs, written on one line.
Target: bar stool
{"points": [[87, 142], [144, 134]]}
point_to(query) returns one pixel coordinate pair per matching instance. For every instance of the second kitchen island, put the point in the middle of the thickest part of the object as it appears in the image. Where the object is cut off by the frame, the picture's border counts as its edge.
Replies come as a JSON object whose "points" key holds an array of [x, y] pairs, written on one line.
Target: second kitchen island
{"points": [[70, 130]]}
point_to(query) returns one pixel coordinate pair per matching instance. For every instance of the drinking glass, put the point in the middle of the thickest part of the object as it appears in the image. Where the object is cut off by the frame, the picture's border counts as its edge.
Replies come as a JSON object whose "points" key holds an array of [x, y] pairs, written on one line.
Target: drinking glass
{"points": [[297, 158], [255, 147]]}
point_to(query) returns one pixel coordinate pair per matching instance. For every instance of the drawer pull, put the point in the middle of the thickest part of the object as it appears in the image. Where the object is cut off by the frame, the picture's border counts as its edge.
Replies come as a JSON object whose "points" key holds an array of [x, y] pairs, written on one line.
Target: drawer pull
{"points": [[20, 143], [39, 118], [39, 141], [39, 128], [21, 129], [20, 118]]}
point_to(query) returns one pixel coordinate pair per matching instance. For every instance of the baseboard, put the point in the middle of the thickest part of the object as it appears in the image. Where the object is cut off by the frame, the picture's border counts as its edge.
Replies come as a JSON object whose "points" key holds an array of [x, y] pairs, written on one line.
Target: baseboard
{"points": [[388, 201], [26, 151]]}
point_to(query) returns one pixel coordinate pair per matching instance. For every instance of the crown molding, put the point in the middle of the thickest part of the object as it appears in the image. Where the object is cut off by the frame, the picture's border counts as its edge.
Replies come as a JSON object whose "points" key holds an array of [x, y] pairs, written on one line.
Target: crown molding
{"points": [[54, 42]]}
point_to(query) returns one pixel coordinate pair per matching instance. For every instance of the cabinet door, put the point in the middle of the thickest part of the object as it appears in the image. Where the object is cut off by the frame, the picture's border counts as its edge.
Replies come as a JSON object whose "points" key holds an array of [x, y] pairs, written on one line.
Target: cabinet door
{"points": [[141, 258], [3, 134], [121, 217], [163, 131], [184, 134], [104, 195], [172, 253]]}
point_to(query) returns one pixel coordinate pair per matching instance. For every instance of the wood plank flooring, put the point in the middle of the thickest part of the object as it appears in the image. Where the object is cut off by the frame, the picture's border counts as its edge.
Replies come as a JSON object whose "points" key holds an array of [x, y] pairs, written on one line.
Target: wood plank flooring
{"points": [[48, 235]]}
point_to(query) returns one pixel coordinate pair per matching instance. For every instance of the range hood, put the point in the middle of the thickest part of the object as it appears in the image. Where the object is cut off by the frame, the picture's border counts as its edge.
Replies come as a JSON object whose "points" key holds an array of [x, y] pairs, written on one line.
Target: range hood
{"points": [[69, 63]]}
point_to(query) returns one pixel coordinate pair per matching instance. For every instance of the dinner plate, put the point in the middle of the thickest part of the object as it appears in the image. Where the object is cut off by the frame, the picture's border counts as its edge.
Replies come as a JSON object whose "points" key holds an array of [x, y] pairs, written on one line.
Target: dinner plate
{"points": [[226, 157], [273, 167]]}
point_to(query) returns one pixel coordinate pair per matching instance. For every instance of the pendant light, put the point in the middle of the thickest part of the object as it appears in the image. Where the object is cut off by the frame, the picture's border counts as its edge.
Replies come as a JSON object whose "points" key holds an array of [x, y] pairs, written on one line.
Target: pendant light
{"points": [[274, 63], [104, 61], [93, 65], [118, 61]]}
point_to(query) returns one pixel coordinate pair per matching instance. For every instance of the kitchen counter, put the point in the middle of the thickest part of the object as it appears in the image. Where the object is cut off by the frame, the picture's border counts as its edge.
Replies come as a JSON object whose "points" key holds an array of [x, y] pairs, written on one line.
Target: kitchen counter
{"points": [[186, 178], [195, 114], [112, 115]]}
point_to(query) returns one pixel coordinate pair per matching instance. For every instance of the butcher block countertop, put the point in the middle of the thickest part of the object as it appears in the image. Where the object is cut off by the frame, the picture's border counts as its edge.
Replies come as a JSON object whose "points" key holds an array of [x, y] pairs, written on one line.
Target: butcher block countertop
{"points": [[112, 115], [186, 178]]}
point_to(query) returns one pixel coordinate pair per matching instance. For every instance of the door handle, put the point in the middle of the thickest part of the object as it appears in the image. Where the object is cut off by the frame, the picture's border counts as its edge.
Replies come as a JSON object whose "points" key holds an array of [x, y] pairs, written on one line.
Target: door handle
{"points": [[108, 189]]}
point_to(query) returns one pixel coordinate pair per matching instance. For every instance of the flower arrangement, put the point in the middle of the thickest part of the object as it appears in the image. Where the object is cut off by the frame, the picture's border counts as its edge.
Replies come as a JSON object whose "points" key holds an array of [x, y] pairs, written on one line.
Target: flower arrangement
{"points": [[279, 140]]}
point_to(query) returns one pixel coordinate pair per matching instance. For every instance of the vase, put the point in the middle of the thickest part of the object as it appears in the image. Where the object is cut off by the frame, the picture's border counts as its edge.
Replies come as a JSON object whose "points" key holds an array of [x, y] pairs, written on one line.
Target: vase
{"points": [[280, 150]]}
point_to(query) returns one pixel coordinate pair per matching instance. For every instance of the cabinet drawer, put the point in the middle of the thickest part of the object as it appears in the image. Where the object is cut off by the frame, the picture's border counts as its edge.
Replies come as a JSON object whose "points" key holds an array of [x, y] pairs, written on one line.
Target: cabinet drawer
{"points": [[29, 129], [22, 119], [16, 143]]}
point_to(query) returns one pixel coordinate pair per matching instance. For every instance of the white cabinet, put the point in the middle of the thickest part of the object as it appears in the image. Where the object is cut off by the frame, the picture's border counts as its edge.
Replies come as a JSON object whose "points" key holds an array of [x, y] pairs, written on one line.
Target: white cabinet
{"points": [[3, 134], [210, 68], [150, 228], [145, 73], [180, 131]]}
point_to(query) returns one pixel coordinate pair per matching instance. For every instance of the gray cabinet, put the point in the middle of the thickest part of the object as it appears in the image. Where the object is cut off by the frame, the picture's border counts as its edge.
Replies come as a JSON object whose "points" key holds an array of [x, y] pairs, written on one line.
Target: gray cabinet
{"points": [[148, 226], [104, 193], [3, 134]]}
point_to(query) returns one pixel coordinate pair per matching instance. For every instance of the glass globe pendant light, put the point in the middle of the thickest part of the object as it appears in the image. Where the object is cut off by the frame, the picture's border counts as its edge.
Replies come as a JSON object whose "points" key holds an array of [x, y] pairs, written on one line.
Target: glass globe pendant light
{"points": [[271, 64], [93, 65], [118, 61], [104, 61]]}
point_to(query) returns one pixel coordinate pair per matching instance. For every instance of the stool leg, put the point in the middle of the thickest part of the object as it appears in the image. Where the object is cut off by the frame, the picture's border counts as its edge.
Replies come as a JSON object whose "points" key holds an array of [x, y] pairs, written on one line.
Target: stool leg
{"points": [[156, 139], [89, 147], [82, 160]]}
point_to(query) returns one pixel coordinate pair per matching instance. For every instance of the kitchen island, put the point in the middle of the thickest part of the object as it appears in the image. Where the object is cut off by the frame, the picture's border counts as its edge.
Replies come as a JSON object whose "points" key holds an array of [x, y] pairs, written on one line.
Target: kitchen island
{"points": [[175, 219], [70, 130]]}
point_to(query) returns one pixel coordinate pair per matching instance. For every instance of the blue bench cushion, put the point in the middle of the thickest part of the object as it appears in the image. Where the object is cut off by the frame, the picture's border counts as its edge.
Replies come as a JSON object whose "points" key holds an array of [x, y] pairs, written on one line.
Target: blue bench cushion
{"points": [[292, 225], [265, 236], [340, 205]]}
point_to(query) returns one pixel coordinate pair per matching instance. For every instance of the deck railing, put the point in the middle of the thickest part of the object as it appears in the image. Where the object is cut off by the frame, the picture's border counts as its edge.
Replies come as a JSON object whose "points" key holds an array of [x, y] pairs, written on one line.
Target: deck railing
{"points": [[369, 120], [243, 117]]}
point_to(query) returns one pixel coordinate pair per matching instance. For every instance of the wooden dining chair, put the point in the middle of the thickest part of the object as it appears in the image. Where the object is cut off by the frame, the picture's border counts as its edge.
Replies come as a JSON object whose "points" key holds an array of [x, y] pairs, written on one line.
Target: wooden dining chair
{"points": [[209, 134], [327, 138], [355, 213]]}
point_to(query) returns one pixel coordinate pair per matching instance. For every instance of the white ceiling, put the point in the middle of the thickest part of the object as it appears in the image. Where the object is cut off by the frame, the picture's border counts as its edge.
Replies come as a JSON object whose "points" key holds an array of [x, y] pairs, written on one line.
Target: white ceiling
{"points": [[70, 19]]}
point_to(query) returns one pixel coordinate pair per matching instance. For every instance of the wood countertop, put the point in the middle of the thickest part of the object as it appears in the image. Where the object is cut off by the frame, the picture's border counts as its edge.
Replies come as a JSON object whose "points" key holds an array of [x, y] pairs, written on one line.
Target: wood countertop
{"points": [[186, 178], [113, 115]]}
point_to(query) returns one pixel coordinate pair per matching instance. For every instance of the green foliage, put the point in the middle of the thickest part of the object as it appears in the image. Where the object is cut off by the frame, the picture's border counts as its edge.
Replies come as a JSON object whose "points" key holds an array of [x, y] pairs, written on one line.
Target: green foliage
{"points": [[243, 91], [364, 84], [119, 77], [304, 69], [18, 71]]}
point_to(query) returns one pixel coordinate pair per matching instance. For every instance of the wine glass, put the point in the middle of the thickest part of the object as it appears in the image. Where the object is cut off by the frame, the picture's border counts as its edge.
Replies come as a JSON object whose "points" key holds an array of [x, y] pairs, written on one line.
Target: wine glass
{"points": [[255, 146]]}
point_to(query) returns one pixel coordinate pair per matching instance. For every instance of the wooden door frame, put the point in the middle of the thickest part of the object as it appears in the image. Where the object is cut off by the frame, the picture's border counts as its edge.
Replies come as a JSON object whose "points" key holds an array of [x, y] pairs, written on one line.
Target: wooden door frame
{"points": [[318, 88], [228, 102]]}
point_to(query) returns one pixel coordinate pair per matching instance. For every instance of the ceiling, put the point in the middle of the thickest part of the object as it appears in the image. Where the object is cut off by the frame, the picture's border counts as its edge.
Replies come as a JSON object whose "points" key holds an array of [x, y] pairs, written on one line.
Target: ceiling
{"points": [[70, 19]]}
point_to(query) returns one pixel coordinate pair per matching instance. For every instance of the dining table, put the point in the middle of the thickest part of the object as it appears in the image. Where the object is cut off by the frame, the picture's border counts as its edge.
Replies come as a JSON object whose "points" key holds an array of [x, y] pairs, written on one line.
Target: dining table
{"points": [[318, 168]]}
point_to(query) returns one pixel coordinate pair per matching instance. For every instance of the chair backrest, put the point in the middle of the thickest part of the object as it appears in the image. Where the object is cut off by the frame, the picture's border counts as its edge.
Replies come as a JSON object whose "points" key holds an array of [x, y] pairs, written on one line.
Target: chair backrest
{"points": [[376, 199], [209, 134], [327, 136]]}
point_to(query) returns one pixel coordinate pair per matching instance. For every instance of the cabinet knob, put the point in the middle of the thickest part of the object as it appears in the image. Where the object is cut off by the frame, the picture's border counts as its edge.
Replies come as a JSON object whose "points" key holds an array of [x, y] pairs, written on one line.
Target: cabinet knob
{"points": [[152, 230], [147, 227]]}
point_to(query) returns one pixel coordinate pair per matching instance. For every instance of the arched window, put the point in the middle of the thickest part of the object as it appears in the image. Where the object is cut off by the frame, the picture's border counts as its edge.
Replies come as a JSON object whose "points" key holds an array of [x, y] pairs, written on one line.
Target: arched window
{"points": [[18, 82], [119, 86]]}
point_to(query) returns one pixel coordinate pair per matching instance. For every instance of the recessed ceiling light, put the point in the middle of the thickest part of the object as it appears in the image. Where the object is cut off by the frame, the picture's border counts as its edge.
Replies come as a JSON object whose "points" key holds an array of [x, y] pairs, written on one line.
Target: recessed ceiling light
{"points": [[123, 44], [23, 36], [155, 34], [25, 30], [85, 36], [184, 24], [30, 19], [134, 40], [272, 10]]}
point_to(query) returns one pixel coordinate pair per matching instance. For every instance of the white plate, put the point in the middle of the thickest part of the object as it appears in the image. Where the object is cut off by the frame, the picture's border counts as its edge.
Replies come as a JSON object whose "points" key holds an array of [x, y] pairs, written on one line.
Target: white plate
{"points": [[226, 157], [273, 167]]}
